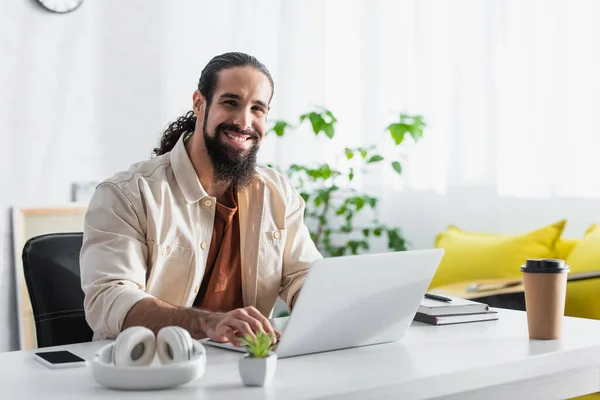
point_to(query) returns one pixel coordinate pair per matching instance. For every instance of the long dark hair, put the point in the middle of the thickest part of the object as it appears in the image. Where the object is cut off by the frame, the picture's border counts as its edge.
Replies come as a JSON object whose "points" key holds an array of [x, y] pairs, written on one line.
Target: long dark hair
{"points": [[206, 85]]}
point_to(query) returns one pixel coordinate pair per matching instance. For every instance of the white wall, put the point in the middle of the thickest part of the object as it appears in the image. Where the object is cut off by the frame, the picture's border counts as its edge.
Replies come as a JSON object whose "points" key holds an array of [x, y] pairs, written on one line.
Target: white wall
{"points": [[86, 94], [67, 84]]}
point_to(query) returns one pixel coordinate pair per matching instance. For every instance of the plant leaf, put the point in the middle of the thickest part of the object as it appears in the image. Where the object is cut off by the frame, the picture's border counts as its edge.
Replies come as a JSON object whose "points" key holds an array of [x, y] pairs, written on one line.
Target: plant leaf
{"points": [[397, 167], [328, 130], [280, 127], [342, 210], [374, 159], [318, 201], [322, 220], [332, 118], [349, 153], [360, 203], [397, 131], [305, 196], [395, 240], [411, 124]]}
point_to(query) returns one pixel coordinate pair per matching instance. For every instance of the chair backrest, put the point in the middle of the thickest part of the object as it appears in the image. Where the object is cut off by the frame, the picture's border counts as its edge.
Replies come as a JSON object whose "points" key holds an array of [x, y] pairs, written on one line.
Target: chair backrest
{"points": [[51, 270]]}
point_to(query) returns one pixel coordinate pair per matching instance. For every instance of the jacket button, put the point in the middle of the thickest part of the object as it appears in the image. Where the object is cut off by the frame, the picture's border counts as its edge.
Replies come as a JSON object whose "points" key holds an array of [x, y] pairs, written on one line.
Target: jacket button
{"points": [[165, 251], [207, 203], [277, 235], [203, 245]]}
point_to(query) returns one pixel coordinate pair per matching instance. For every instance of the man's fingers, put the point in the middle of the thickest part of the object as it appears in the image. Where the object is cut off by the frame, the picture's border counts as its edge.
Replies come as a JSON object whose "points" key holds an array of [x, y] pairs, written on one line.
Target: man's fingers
{"points": [[255, 324], [246, 321], [227, 334], [241, 327], [231, 337], [265, 324], [224, 334]]}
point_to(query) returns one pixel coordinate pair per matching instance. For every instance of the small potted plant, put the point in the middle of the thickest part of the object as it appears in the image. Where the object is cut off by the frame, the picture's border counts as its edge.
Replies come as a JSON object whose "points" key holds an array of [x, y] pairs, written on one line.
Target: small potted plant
{"points": [[258, 366]]}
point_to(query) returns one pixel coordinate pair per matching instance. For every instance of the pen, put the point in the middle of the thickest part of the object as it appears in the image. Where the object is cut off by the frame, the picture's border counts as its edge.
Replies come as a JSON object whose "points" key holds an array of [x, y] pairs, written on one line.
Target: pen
{"points": [[438, 297]]}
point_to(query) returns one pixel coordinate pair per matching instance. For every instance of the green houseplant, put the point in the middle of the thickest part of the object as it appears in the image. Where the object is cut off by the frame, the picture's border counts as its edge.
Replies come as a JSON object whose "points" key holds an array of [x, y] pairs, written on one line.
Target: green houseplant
{"points": [[333, 203], [258, 366], [260, 347]]}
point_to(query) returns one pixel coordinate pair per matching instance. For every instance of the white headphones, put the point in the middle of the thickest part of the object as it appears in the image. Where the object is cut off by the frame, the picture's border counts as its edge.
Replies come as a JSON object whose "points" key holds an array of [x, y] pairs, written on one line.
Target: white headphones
{"points": [[127, 362]]}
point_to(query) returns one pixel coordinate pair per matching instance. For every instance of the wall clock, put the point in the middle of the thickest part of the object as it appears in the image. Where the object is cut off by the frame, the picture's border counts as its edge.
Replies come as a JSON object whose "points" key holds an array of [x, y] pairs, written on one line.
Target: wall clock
{"points": [[60, 6]]}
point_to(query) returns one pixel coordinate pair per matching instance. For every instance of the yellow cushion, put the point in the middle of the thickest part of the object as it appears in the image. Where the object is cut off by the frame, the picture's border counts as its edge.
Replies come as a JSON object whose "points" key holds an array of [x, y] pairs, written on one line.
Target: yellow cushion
{"points": [[564, 246], [582, 296], [472, 256]]}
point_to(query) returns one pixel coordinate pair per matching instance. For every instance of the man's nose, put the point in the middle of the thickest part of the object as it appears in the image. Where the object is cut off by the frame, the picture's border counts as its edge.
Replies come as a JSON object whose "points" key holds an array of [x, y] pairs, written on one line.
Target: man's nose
{"points": [[243, 120]]}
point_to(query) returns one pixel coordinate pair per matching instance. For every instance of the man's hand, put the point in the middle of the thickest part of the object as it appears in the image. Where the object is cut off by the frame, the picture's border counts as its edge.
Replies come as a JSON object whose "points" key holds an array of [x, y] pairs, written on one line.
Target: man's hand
{"points": [[223, 327]]}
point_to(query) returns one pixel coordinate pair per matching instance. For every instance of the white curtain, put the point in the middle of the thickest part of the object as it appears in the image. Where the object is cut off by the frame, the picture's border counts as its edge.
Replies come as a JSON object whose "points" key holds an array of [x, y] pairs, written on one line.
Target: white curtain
{"points": [[509, 89]]}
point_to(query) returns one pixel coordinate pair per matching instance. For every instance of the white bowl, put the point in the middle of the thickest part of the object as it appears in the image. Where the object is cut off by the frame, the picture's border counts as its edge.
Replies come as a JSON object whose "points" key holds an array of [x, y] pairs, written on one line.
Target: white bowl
{"points": [[150, 377]]}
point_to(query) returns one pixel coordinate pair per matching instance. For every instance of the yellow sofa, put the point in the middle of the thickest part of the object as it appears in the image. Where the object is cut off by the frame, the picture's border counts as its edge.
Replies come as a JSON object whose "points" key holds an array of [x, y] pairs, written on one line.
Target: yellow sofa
{"points": [[472, 256]]}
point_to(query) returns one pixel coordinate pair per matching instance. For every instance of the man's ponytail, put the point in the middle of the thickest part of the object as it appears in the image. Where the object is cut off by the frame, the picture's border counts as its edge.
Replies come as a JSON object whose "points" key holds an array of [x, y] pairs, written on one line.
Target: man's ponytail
{"points": [[184, 124]]}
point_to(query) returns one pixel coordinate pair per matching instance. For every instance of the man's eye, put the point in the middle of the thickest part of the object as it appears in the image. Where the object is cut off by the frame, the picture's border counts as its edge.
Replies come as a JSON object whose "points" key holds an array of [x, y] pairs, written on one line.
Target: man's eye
{"points": [[260, 110], [230, 102]]}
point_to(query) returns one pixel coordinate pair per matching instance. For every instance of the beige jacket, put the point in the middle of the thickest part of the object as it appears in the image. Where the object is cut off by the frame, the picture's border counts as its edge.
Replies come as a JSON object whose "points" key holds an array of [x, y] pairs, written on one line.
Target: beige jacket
{"points": [[147, 233]]}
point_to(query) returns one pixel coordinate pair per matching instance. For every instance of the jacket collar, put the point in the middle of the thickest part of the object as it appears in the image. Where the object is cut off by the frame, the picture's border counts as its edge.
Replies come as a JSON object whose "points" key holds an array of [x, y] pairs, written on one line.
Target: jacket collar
{"points": [[185, 173]]}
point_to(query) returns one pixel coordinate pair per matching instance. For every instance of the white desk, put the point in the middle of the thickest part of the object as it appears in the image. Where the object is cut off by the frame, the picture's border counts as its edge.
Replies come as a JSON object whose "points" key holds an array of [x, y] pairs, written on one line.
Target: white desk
{"points": [[484, 360]]}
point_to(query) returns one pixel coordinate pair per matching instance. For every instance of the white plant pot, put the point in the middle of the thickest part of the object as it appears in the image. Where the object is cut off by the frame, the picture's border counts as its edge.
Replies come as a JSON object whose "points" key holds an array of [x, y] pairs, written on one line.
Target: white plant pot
{"points": [[257, 371]]}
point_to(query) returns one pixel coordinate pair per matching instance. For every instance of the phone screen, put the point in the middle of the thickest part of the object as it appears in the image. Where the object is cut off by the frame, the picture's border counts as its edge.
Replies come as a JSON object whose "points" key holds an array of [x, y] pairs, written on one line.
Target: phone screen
{"points": [[60, 357]]}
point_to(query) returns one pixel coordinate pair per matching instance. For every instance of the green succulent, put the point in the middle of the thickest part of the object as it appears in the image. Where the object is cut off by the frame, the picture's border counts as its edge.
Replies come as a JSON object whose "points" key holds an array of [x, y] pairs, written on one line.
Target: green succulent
{"points": [[259, 347]]}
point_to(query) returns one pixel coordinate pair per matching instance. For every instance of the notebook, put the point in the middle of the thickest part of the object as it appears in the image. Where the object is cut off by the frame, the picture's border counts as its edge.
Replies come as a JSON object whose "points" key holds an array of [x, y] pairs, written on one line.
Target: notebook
{"points": [[456, 318], [455, 306]]}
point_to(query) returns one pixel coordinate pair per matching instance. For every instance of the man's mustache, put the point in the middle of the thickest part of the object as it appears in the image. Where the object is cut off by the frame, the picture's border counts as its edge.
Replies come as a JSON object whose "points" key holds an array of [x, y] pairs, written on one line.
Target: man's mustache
{"points": [[234, 128]]}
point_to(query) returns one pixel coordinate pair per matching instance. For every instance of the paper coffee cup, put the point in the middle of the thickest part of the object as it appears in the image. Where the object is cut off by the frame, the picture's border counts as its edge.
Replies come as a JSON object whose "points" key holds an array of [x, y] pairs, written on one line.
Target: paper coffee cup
{"points": [[545, 283]]}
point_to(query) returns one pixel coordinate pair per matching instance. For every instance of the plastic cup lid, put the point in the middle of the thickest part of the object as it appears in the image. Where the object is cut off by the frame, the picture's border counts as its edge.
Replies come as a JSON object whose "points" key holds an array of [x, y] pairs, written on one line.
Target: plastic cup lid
{"points": [[545, 265]]}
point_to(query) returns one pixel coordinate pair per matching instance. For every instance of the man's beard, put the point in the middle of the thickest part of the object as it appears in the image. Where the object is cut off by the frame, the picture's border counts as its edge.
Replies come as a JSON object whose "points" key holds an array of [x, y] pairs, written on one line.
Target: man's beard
{"points": [[229, 164]]}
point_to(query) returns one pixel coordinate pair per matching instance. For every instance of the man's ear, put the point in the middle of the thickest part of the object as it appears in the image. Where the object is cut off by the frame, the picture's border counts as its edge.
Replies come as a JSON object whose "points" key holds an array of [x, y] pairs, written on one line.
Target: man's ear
{"points": [[199, 104]]}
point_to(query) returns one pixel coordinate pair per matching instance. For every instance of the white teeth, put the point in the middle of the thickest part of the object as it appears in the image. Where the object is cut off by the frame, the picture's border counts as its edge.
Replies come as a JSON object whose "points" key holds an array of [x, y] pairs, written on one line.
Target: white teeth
{"points": [[239, 139]]}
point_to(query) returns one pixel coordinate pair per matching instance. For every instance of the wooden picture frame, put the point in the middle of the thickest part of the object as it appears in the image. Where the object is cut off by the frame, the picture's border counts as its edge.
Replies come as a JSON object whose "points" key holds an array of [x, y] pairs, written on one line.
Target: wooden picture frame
{"points": [[28, 223]]}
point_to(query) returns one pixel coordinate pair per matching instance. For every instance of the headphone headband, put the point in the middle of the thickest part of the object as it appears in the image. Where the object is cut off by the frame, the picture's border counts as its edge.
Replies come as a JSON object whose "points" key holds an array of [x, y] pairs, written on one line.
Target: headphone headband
{"points": [[158, 376]]}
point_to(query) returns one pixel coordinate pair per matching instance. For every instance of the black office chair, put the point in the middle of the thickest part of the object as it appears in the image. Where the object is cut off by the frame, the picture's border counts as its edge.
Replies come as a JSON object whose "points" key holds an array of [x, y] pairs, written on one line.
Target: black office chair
{"points": [[51, 269]]}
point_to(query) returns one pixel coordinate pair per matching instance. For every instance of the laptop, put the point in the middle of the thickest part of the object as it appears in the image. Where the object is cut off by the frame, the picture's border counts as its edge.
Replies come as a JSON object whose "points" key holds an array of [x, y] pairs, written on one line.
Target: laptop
{"points": [[354, 301]]}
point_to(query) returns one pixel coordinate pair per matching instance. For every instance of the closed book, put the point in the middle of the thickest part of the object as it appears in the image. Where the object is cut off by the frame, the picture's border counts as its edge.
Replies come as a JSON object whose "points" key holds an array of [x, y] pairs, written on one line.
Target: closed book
{"points": [[455, 306], [455, 319]]}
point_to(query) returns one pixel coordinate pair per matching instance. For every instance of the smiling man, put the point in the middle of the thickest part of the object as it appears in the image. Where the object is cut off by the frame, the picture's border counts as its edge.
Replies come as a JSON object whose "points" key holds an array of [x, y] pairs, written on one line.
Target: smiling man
{"points": [[199, 236]]}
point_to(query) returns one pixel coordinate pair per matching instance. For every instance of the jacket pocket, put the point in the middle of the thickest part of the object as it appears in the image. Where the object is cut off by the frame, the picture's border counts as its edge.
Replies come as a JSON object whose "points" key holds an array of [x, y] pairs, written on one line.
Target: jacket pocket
{"points": [[270, 266], [170, 270], [275, 238]]}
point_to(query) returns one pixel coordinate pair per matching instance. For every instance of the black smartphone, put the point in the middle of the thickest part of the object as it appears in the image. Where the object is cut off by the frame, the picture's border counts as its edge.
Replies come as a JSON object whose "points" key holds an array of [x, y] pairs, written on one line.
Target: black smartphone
{"points": [[59, 359]]}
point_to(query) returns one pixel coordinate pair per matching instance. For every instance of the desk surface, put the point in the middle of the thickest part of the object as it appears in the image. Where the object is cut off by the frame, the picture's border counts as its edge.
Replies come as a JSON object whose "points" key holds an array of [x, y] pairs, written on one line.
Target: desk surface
{"points": [[458, 361]]}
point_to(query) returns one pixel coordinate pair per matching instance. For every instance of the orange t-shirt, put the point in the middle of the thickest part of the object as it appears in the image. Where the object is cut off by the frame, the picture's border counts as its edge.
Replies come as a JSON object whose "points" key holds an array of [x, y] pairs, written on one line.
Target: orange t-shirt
{"points": [[221, 287]]}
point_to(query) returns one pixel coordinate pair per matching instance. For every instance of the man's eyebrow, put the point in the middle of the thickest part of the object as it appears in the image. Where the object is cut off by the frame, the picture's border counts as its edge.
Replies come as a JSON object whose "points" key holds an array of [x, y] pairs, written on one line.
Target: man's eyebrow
{"points": [[231, 96], [238, 97]]}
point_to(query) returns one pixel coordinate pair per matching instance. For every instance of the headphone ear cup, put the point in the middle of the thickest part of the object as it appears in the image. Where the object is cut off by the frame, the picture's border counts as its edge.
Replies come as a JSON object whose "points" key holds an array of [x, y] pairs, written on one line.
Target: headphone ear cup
{"points": [[134, 347], [174, 344]]}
